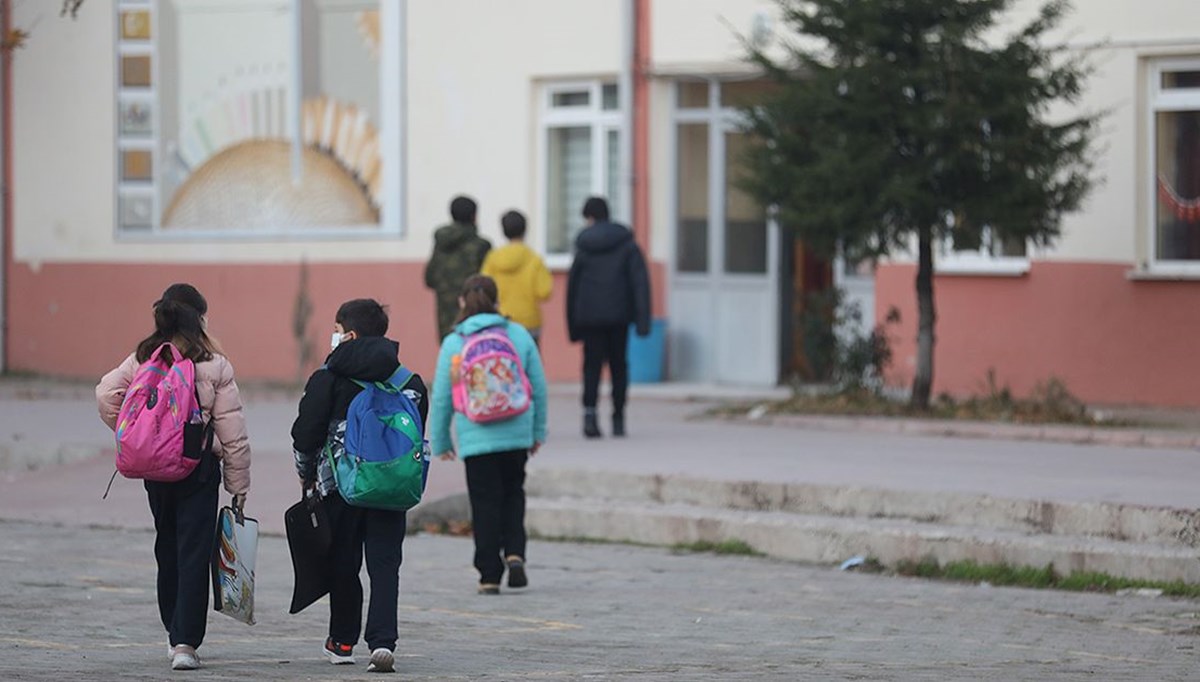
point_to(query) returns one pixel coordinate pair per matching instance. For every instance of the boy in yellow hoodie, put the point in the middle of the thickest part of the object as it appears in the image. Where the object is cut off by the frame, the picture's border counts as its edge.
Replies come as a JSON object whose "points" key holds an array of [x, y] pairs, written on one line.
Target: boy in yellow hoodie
{"points": [[521, 276]]}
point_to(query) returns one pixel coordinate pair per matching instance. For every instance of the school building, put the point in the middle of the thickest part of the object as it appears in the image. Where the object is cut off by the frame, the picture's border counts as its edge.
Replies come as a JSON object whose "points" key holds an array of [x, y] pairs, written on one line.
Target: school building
{"points": [[286, 155]]}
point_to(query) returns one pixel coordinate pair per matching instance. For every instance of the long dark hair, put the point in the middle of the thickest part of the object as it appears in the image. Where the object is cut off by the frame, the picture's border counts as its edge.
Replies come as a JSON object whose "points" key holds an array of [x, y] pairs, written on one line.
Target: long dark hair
{"points": [[479, 295], [178, 319]]}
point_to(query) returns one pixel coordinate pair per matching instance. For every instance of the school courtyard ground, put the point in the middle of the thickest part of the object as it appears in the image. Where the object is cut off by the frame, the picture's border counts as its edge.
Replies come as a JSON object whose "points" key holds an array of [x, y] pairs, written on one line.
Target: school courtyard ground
{"points": [[77, 573]]}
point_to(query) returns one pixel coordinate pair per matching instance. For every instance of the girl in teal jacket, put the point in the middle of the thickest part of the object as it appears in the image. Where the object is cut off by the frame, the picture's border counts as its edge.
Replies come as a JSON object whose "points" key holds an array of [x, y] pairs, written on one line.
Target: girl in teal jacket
{"points": [[493, 453]]}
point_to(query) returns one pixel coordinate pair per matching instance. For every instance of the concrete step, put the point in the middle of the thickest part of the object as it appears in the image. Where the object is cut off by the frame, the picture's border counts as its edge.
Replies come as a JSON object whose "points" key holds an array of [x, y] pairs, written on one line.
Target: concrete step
{"points": [[1160, 526], [832, 539]]}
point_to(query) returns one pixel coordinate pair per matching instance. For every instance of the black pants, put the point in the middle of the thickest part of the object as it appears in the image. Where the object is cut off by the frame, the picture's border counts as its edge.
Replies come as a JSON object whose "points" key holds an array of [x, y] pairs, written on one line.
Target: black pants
{"points": [[496, 486], [378, 533], [185, 523], [601, 345]]}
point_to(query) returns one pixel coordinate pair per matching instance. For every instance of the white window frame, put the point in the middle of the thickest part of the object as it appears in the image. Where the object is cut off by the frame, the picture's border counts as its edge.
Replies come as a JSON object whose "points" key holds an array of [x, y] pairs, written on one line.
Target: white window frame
{"points": [[601, 122], [1159, 100], [720, 119], [392, 133], [979, 262]]}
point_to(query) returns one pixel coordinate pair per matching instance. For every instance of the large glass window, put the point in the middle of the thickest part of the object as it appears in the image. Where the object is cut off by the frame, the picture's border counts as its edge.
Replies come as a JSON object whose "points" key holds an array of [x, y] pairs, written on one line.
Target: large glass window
{"points": [[1176, 116], [569, 179], [581, 127], [691, 235], [223, 126], [745, 218]]}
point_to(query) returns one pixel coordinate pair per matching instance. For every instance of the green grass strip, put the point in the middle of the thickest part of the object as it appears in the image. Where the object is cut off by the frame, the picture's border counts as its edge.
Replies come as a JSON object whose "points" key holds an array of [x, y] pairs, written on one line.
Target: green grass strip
{"points": [[1041, 578]]}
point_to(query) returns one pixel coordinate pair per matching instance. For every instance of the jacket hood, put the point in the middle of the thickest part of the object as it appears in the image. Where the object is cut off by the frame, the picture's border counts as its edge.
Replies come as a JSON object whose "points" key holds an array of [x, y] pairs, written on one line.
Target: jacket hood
{"points": [[481, 321], [449, 237], [603, 237], [511, 258], [372, 358]]}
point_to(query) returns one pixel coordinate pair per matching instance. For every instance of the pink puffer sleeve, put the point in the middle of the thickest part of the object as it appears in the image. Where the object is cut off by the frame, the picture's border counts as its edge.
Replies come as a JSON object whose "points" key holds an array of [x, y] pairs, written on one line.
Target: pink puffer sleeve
{"points": [[229, 422], [110, 392]]}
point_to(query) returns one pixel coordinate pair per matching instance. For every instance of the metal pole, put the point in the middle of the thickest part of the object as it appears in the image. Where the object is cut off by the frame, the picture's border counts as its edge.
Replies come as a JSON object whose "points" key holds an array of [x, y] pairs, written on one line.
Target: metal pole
{"points": [[625, 93]]}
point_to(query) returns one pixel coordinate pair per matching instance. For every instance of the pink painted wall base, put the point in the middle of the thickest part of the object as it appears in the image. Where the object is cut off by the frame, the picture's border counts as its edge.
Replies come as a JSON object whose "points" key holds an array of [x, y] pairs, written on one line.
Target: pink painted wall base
{"points": [[80, 320], [1109, 338]]}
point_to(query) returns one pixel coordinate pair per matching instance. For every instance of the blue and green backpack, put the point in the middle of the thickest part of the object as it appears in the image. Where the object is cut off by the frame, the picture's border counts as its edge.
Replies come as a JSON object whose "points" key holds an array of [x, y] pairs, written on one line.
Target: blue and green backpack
{"points": [[383, 461]]}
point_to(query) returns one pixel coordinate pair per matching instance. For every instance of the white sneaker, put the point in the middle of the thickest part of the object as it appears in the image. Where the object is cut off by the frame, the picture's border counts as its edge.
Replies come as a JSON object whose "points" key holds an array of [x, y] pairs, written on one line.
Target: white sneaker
{"points": [[184, 657], [382, 661]]}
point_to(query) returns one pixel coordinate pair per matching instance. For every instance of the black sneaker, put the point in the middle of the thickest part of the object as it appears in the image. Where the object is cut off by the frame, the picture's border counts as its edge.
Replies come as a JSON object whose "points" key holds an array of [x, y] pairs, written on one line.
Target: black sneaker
{"points": [[591, 426], [488, 588], [516, 572], [339, 654], [618, 425]]}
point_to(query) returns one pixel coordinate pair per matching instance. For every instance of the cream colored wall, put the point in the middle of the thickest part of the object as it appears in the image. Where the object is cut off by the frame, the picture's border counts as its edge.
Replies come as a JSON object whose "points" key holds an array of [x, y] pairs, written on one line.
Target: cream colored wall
{"points": [[473, 72], [702, 35], [1121, 36], [473, 98], [63, 122], [1106, 226]]}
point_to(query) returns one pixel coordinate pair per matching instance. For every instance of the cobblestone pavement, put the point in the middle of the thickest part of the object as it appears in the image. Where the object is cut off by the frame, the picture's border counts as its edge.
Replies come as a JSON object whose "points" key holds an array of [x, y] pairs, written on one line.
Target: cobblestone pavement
{"points": [[79, 604]]}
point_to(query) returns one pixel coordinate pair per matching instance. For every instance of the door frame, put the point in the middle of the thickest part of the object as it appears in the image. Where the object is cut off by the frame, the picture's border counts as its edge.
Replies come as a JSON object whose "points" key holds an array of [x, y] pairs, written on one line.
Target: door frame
{"points": [[720, 121]]}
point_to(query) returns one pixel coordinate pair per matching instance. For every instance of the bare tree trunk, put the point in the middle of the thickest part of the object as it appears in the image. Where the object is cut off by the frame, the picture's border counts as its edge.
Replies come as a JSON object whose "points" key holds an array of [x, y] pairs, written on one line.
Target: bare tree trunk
{"points": [[926, 316]]}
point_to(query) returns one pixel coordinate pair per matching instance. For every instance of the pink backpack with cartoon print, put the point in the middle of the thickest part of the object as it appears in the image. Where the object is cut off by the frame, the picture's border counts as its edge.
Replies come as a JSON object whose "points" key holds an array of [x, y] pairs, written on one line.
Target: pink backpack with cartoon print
{"points": [[488, 382], [159, 428]]}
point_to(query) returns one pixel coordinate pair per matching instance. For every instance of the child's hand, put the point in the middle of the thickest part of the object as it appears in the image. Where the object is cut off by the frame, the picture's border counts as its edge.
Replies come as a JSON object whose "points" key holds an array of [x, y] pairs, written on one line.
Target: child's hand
{"points": [[448, 456]]}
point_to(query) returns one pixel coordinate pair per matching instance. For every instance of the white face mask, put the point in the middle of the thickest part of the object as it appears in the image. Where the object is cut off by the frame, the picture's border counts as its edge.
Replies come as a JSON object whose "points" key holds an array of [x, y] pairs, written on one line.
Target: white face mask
{"points": [[334, 340]]}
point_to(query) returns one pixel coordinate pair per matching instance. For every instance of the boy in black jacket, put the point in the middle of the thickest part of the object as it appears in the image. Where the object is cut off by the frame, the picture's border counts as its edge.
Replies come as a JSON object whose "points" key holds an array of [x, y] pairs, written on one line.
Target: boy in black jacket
{"points": [[608, 289], [360, 351]]}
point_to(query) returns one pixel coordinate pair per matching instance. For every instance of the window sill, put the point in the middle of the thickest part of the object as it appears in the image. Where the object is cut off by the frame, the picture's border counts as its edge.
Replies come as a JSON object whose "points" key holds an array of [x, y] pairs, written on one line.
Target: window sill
{"points": [[1161, 273], [558, 262], [982, 267]]}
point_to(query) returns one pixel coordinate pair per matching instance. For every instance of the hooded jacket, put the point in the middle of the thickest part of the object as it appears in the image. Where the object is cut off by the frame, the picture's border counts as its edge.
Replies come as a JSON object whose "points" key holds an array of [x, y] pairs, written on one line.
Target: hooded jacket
{"points": [[327, 397], [220, 401], [522, 280], [519, 432], [458, 253], [608, 285]]}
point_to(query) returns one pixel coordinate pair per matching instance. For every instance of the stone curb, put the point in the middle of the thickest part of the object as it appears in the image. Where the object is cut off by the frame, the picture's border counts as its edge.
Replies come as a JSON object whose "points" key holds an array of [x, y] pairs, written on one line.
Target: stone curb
{"points": [[1163, 526], [1077, 435], [829, 540]]}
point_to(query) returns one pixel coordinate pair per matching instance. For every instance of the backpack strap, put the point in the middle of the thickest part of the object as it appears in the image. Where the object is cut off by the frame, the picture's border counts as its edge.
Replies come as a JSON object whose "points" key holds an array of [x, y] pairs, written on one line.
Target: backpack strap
{"points": [[400, 377], [393, 384]]}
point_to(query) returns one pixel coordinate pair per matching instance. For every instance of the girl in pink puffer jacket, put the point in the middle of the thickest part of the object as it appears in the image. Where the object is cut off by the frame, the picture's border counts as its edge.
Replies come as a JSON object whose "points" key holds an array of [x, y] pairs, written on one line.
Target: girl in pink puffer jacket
{"points": [[185, 512]]}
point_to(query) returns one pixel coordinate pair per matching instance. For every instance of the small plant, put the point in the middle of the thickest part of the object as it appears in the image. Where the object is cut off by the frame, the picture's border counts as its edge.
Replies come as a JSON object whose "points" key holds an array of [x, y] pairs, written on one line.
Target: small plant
{"points": [[836, 349]]}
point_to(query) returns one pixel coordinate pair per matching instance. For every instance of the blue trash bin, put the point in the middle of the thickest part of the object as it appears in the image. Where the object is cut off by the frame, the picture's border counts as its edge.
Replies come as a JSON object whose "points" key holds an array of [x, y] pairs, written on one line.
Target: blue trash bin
{"points": [[646, 353]]}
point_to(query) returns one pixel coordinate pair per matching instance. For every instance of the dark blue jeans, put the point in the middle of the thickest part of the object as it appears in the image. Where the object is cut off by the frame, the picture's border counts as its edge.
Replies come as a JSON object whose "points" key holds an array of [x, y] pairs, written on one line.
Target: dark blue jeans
{"points": [[379, 534]]}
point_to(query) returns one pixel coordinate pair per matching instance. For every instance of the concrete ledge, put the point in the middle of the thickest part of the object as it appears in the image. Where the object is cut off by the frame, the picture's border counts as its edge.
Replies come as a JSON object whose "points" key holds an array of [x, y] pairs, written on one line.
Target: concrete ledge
{"points": [[1051, 433], [1169, 527], [450, 508], [828, 540]]}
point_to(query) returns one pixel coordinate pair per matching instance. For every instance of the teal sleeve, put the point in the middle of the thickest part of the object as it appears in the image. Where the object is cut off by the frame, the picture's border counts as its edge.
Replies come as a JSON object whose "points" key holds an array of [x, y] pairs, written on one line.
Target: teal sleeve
{"points": [[443, 402], [537, 381]]}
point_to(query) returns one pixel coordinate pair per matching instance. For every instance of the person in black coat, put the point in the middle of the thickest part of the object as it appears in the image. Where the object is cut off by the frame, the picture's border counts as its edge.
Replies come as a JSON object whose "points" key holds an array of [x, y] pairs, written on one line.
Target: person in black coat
{"points": [[360, 352], [608, 290]]}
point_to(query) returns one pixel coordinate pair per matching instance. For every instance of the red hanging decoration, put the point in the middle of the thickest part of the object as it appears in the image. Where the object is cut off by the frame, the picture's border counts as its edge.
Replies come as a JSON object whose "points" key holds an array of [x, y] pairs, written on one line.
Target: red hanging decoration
{"points": [[1186, 210]]}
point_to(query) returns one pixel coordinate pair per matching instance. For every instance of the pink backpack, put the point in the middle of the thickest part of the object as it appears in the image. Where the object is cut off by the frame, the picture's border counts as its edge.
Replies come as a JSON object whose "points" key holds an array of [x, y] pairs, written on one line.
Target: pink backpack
{"points": [[160, 405], [489, 383]]}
